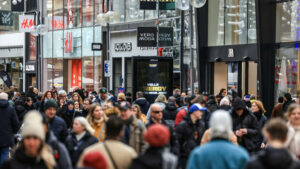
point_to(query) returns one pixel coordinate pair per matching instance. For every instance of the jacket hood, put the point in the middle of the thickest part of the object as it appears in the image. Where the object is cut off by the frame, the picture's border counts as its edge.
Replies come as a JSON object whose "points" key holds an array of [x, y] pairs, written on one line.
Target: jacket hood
{"points": [[4, 103], [276, 158], [238, 104], [20, 108], [171, 106], [141, 101], [211, 102]]}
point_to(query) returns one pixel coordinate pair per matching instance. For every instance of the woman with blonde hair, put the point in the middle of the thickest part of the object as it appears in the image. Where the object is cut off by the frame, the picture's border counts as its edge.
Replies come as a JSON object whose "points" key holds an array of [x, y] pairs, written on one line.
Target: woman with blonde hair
{"points": [[259, 111], [97, 118], [138, 113], [293, 141], [80, 138]]}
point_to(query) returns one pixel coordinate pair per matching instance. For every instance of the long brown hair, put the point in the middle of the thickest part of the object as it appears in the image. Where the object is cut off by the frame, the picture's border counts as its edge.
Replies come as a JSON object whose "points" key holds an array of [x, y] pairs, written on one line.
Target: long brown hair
{"points": [[79, 98], [90, 116], [45, 95], [139, 112]]}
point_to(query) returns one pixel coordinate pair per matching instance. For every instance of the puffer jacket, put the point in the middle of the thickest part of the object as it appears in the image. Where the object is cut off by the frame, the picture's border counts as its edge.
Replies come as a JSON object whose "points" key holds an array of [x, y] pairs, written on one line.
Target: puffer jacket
{"points": [[169, 114], [189, 136], [76, 147], [59, 128], [143, 103]]}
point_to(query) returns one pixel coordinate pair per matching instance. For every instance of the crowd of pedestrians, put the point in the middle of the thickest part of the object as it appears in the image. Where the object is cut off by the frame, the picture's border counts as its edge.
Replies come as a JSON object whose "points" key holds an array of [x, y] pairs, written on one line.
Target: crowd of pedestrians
{"points": [[90, 130]]}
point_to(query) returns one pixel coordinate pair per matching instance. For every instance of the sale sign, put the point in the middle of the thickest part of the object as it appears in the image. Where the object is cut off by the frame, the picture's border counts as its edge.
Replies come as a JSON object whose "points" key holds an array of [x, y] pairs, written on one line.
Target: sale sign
{"points": [[26, 23]]}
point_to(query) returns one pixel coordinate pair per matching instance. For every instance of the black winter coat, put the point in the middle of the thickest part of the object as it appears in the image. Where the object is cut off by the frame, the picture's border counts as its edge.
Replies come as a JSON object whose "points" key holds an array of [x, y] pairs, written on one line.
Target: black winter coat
{"points": [[189, 135], [262, 120], [32, 95], [273, 158], [143, 103], [152, 159], [21, 161], [212, 105], [286, 105], [59, 128], [248, 121], [76, 148], [225, 107], [170, 111], [9, 124]]}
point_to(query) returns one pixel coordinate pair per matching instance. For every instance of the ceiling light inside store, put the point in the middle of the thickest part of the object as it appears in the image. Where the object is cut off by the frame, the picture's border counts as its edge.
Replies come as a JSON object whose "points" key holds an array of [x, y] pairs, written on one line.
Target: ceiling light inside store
{"points": [[4, 3]]}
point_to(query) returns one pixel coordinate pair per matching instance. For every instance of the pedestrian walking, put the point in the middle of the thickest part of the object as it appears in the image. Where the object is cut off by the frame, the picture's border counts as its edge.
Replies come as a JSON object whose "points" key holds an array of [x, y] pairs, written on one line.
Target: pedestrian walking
{"points": [[170, 111], [293, 141], [275, 155], [94, 160], [47, 96], [259, 111], [162, 101], [225, 104], [77, 97], [183, 111], [138, 113], [157, 156], [287, 102], [134, 129], [80, 138], [97, 119], [142, 102], [86, 106], [189, 132], [9, 125], [102, 96], [56, 124], [219, 153], [33, 152], [117, 154]]}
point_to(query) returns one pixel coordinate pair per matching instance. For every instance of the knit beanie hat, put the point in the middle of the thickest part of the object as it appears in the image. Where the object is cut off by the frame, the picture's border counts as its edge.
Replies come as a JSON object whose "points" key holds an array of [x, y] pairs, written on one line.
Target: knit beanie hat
{"points": [[33, 125], [157, 135], [225, 101], [95, 160], [196, 107], [238, 104], [50, 103]]}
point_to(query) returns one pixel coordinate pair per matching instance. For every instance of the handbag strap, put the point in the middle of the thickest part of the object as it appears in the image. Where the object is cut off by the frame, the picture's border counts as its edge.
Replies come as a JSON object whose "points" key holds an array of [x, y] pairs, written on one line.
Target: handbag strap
{"points": [[101, 131], [110, 156]]}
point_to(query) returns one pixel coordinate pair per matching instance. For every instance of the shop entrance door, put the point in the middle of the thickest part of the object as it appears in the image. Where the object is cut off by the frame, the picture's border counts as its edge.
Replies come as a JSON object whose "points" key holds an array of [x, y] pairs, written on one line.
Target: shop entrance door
{"points": [[239, 78], [72, 73]]}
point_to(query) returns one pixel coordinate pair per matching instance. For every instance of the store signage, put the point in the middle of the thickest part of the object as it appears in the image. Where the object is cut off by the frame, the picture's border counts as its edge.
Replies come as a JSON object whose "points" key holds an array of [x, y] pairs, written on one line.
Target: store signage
{"points": [[57, 22], [5, 77], [96, 46], [70, 13], [123, 47], [6, 18], [107, 72], [26, 23], [163, 4], [30, 67], [147, 37], [165, 36], [17, 5], [230, 53], [69, 42]]}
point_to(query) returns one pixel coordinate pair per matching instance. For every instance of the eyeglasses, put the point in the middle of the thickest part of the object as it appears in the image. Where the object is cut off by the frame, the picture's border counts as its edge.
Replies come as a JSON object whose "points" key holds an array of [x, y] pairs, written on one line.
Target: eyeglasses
{"points": [[156, 112]]}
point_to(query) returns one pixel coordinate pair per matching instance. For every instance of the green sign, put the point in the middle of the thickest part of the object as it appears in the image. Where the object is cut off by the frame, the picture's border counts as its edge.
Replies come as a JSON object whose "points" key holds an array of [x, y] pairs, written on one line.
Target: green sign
{"points": [[6, 18], [163, 4]]}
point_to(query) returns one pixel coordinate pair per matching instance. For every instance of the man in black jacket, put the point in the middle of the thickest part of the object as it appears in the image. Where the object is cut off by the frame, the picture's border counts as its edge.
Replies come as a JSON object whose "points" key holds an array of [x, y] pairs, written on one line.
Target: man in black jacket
{"points": [[287, 102], [142, 102], [245, 125], [275, 156], [170, 111], [189, 132], [9, 124]]}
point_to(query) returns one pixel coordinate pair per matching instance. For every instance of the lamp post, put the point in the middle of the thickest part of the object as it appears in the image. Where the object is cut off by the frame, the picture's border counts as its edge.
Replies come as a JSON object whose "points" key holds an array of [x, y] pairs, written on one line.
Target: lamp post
{"points": [[185, 5]]}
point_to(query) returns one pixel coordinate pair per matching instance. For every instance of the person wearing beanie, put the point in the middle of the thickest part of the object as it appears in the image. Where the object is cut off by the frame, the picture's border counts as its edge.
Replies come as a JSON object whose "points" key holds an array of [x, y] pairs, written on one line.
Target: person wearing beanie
{"points": [[69, 114], [80, 138], [33, 152], [56, 124], [117, 154], [189, 132], [157, 156], [219, 153], [9, 125], [225, 104], [245, 125], [95, 160], [60, 152]]}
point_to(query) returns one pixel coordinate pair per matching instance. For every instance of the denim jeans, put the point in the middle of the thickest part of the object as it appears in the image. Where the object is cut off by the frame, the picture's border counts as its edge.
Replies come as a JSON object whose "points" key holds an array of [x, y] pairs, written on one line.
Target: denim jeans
{"points": [[3, 154]]}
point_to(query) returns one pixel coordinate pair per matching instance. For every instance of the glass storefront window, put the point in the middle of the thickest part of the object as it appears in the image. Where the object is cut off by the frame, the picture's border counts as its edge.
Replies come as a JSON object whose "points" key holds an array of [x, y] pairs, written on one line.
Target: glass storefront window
{"points": [[286, 72], [100, 7], [87, 40], [58, 78], [97, 74], [58, 44], [88, 17], [234, 25], [88, 74], [72, 43], [47, 45], [57, 20], [133, 12], [118, 6], [287, 21], [73, 13]]}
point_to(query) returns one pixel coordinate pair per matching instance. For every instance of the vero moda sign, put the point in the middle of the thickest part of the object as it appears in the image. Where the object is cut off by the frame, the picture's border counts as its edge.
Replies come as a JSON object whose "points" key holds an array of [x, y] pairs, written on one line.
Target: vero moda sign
{"points": [[147, 37]]}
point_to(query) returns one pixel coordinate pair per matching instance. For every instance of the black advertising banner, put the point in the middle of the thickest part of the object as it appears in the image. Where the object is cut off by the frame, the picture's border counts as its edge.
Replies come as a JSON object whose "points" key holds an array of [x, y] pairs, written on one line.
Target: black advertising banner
{"points": [[17, 5], [153, 77], [6, 18], [147, 37], [165, 36], [5, 77], [148, 4]]}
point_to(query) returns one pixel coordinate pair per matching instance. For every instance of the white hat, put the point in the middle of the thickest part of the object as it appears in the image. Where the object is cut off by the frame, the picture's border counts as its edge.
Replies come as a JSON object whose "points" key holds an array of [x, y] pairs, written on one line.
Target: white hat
{"points": [[3, 96], [221, 125], [33, 125]]}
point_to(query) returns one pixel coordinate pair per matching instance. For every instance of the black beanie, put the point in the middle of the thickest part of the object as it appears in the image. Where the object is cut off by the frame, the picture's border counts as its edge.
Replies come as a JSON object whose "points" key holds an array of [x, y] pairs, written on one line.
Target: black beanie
{"points": [[238, 104]]}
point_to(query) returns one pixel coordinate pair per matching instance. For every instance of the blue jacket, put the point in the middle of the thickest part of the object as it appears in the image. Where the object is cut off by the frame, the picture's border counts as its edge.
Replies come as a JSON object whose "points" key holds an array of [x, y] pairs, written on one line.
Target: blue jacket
{"points": [[218, 154], [9, 124], [59, 128]]}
